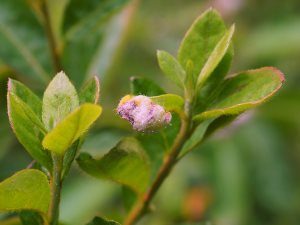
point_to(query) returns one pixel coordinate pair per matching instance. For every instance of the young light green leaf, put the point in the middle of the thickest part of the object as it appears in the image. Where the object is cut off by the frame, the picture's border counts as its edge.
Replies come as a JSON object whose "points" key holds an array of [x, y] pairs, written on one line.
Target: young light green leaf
{"points": [[170, 102], [200, 40], [215, 57], [171, 67], [26, 190], [28, 128], [243, 91], [60, 98], [90, 91], [71, 128], [126, 164], [144, 86], [26, 95], [101, 221]]}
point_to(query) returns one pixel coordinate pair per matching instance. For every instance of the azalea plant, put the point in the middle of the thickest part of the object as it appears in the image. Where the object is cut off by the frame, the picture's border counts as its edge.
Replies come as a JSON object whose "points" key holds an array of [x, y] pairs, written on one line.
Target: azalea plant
{"points": [[52, 130]]}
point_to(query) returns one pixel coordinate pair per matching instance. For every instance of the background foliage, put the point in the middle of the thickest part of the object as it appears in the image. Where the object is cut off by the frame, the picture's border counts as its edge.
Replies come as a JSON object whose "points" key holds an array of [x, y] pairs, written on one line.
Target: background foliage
{"points": [[246, 174]]}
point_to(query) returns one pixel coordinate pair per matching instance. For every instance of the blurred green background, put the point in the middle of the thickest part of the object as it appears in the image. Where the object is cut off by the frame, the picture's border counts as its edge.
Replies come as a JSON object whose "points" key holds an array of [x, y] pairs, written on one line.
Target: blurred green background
{"points": [[247, 173]]}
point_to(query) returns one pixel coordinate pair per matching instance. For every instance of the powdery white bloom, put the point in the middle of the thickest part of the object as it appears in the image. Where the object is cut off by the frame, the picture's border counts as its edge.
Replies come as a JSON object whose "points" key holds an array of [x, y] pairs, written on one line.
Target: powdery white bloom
{"points": [[143, 113]]}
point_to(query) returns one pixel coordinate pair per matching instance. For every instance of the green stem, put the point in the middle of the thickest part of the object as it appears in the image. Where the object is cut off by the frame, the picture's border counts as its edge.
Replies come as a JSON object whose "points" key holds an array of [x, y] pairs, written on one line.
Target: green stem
{"points": [[55, 184], [142, 205]]}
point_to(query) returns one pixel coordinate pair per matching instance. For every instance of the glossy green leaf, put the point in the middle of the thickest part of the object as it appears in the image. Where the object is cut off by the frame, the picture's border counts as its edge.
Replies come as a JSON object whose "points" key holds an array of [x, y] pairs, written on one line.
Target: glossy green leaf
{"points": [[24, 46], [71, 128], [101, 221], [243, 91], [171, 67], [26, 95], [60, 98], [28, 128], [170, 102], [125, 164], [215, 58], [200, 40], [144, 86], [90, 91], [26, 190]]}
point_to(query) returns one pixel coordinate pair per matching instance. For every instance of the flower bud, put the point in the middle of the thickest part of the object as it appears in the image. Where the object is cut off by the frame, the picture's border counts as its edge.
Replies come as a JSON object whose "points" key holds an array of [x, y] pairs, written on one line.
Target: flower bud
{"points": [[143, 113]]}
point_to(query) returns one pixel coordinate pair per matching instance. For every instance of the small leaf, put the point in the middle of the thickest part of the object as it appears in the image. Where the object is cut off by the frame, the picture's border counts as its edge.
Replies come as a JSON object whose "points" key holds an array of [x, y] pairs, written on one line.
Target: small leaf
{"points": [[215, 57], [200, 40], [171, 67], [28, 128], [90, 91], [60, 98], [126, 164], [71, 128], [243, 91], [26, 190], [101, 221], [170, 102], [143, 86], [31, 218], [26, 95]]}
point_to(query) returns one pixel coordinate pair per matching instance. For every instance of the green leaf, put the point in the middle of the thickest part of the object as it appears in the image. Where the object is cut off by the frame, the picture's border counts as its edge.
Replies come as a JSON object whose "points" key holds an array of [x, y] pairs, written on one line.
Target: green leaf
{"points": [[144, 86], [60, 98], [26, 95], [170, 102], [90, 91], [200, 40], [24, 46], [31, 218], [71, 128], [126, 164], [171, 67], [26, 190], [12, 221], [101, 221], [243, 91], [215, 58], [28, 128]]}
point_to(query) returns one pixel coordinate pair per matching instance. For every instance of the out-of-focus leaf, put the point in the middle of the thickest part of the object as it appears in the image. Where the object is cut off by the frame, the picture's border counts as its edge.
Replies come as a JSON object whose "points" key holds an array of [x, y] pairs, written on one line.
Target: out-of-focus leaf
{"points": [[31, 218], [28, 128], [26, 95], [71, 128], [101, 221], [243, 91], [170, 102], [215, 57], [81, 19], [12, 221], [126, 164], [24, 47], [60, 98], [26, 190], [90, 91], [144, 86], [129, 197], [171, 67], [200, 40]]}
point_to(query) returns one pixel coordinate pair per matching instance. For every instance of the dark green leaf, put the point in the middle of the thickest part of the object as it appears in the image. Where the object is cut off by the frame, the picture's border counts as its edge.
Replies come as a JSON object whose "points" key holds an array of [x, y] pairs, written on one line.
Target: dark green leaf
{"points": [[31, 218], [143, 86], [28, 128], [90, 91], [243, 91], [26, 190], [126, 164], [60, 98], [171, 67], [200, 40], [101, 221]]}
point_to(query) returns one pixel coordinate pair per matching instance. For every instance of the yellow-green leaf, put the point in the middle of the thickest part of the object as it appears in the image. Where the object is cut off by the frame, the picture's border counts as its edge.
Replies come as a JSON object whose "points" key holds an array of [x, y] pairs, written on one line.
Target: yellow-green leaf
{"points": [[71, 128], [170, 102], [243, 91], [26, 190]]}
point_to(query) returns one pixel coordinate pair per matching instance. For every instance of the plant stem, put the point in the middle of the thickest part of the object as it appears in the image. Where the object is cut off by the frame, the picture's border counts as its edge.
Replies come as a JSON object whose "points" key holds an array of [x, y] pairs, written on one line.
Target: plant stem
{"points": [[51, 39], [55, 184], [170, 160]]}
